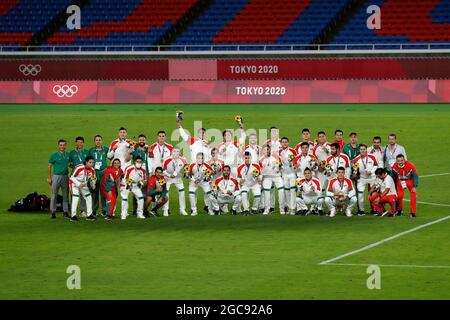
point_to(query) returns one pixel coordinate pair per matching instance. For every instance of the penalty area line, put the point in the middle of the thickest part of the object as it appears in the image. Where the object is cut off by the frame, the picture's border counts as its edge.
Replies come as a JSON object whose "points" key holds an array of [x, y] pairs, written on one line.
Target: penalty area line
{"points": [[430, 203], [435, 175], [375, 244], [388, 265]]}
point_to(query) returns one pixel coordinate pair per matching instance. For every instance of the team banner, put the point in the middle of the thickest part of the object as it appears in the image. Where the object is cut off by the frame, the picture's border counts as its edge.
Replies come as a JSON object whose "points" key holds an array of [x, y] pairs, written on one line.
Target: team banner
{"points": [[229, 69], [83, 69], [239, 91], [334, 68]]}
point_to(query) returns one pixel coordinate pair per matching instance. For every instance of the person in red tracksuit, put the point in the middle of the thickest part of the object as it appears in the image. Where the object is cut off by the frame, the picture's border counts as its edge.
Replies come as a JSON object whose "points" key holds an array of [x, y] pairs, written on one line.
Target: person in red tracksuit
{"points": [[407, 178], [111, 179]]}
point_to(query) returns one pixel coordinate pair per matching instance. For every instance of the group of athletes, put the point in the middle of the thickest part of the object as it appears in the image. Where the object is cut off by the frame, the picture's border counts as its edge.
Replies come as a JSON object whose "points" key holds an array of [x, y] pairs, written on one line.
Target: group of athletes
{"points": [[309, 179]]}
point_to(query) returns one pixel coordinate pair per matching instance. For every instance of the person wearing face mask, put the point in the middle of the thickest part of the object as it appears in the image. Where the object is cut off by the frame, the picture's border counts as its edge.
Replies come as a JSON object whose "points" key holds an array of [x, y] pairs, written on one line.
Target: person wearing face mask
{"points": [[134, 179], [407, 178], [173, 170]]}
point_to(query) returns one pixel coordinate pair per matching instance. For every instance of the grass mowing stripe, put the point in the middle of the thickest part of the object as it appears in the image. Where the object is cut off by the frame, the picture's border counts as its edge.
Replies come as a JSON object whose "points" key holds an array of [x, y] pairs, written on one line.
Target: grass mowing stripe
{"points": [[370, 246]]}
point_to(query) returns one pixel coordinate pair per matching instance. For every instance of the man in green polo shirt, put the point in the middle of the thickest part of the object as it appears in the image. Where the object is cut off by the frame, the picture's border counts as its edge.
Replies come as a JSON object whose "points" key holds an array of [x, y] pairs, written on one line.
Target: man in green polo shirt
{"points": [[59, 178], [99, 153], [77, 157], [352, 148]]}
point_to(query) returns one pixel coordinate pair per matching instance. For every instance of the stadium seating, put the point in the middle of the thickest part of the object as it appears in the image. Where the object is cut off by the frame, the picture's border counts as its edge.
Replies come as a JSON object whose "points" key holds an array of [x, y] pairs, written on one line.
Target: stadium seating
{"points": [[402, 22], [227, 24], [21, 20], [124, 22]]}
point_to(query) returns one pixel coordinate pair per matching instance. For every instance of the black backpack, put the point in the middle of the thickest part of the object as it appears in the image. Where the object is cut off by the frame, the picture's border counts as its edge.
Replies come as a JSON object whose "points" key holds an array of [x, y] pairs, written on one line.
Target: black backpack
{"points": [[32, 202]]}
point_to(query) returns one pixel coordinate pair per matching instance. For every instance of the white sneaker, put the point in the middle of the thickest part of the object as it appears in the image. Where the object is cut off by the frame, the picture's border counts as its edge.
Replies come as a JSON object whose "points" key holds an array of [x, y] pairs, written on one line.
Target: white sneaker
{"points": [[83, 214], [194, 213], [282, 212], [348, 213], [266, 213], [123, 218], [292, 212], [384, 213], [141, 217], [332, 213], [165, 214]]}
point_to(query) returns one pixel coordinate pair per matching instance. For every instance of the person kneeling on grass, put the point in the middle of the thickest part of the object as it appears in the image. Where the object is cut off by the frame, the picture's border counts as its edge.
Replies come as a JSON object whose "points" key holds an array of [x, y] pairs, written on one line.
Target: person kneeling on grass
{"points": [[382, 192], [156, 191], [340, 194], [83, 176]]}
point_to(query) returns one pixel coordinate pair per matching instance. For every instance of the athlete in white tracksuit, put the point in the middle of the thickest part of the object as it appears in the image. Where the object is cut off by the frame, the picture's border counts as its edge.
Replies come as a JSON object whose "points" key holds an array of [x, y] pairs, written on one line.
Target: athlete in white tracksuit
{"points": [[275, 145], [309, 193], [122, 149], [196, 145], [200, 177], [271, 172], [250, 180], [134, 179], [304, 160], [364, 167], [340, 194], [287, 156], [230, 151], [173, 170], [227, 192], [83, 176]]}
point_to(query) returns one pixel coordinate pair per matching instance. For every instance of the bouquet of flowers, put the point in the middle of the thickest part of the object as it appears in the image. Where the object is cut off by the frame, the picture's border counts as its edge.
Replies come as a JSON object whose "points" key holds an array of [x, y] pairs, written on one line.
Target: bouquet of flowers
{"points": [[214, 189], [162, 182], [239, 119], [291, 157], [256, 173], [92, 180], [208, 173], [129, 182], [187, 171], [312, 162]]}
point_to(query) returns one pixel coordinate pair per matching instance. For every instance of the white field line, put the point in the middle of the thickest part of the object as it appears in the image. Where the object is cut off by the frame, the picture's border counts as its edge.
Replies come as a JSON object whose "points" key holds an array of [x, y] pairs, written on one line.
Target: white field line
{"points": [[430, 203], [370, 246], [435, 175], [388, 265]]}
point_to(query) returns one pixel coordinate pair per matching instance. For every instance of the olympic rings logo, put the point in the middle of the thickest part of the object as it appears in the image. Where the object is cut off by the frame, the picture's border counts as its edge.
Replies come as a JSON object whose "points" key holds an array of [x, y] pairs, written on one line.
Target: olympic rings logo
{"points": [[65, 90], [30, 69]]}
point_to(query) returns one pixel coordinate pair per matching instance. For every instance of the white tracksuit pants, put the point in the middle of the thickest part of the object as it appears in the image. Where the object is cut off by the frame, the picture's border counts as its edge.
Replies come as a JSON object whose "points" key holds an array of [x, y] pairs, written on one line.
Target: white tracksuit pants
{"points": [[178, 183], [268, 182], [76, 194], [193, 197], [323, 179], [330, 202], [245, 195], [137, 193], [222, 201], [360, 187], [290, 191], [306, 202]]}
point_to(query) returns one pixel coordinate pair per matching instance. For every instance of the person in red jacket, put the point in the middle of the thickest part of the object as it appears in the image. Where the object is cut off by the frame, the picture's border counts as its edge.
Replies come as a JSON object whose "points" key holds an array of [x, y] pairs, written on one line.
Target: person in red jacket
{"points": [[109, 187], [407, 178]]}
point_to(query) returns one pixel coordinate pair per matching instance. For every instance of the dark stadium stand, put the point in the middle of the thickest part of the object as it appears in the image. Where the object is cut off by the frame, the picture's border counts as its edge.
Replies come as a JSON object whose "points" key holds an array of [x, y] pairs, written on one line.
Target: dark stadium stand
{"points": [[225, 24], [124, 22], [403, 22]]}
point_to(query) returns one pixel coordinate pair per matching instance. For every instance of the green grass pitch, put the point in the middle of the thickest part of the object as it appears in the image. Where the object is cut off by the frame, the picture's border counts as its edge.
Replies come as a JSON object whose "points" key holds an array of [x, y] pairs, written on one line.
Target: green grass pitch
{"points": [[222, 257]]}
